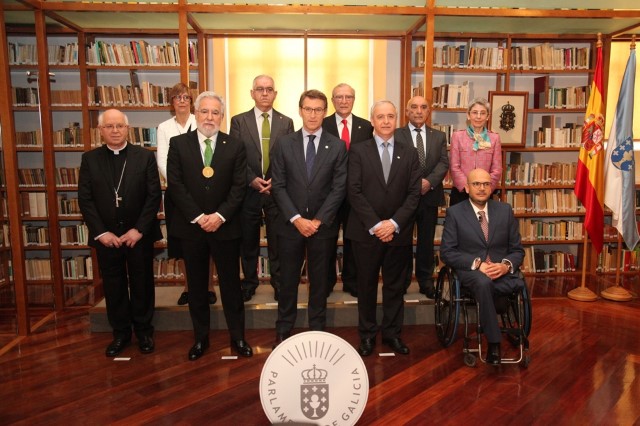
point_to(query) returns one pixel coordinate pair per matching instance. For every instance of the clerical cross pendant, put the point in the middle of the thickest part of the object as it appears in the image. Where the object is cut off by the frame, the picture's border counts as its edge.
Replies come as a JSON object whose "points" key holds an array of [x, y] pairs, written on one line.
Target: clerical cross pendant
{"points": [[118, 199]]}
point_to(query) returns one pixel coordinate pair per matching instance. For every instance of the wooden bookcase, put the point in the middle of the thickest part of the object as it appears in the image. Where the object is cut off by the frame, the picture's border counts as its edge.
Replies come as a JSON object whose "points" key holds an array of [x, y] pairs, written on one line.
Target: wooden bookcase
{"points": [[424, 24]]}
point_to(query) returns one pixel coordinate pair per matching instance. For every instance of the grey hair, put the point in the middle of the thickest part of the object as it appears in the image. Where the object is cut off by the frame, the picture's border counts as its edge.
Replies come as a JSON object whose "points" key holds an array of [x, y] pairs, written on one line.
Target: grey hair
{"points": [[101, 116], [479, 101], [378, 103], [212, 95]]}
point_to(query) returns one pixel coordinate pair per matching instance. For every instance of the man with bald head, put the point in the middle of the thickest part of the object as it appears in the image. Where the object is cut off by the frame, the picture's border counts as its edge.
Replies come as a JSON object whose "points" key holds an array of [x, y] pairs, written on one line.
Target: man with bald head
{"points": [[119, 195], [481, 241], [431, 145]]}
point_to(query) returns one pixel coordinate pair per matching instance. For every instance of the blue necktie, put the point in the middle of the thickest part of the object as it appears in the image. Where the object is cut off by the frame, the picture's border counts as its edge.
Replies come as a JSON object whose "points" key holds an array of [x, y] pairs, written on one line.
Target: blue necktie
{"points": [[311, 154]]}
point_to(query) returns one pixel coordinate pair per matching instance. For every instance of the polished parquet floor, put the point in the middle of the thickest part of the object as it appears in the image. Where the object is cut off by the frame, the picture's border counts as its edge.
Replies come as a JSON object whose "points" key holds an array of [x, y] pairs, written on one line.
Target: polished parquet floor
{"points": [[585, 370]]}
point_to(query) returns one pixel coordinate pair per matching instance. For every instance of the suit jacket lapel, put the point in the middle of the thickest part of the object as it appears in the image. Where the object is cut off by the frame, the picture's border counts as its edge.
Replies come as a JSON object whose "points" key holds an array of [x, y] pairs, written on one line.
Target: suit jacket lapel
{"points": [[428, 142], [104, 165], [322, 153], [298, 154], [374, 160], [252, 125], [219, 154], [472, 218], [398, 153]]}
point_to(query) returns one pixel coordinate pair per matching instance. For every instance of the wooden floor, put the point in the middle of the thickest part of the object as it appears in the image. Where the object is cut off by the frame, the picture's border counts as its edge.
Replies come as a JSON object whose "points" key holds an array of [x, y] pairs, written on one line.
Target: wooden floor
{"points": [[585, 370]]}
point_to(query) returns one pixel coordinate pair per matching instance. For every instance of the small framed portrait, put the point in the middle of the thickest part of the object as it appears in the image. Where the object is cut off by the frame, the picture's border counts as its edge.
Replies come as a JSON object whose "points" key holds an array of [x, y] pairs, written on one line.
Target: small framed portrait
{"points": [[509, 117]]}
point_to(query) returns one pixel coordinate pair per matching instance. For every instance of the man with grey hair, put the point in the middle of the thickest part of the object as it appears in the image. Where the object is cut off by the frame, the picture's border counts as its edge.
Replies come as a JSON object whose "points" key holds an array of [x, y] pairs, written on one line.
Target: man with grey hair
{"points": [[119, 195], [206, 171], [383, 186], [351, 129], [258, 129]]}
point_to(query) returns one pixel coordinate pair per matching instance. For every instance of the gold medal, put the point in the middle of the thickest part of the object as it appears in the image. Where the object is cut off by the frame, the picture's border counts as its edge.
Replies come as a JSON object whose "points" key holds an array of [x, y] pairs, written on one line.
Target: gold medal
{"points": [[207, 172]]}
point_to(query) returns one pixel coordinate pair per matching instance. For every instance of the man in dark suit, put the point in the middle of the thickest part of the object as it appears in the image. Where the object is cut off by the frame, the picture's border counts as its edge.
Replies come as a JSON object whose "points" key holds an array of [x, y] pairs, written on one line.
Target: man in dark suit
{"points": [[383, 186], [259, 128], [309, 169], [351, 129], [434, 164], [207, 172], [119, 195], [481, 241]]}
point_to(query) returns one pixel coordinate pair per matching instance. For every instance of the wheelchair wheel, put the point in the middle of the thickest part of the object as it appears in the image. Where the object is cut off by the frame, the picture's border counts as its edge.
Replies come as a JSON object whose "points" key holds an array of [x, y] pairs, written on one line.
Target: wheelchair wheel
{"points": [[447, 307], [518, 310], [470, 360]]}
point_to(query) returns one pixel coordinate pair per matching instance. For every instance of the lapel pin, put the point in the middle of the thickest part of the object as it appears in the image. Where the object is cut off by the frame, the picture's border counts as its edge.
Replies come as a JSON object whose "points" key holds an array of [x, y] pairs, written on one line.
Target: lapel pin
{"points": [[326, 147]]}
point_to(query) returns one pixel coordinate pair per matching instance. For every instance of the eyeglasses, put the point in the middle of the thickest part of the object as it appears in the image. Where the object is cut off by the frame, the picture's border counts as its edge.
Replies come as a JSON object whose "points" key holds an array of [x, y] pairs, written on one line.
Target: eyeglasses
{"points": [[479, 185], [264, 89], [206, 112], [111, 127], [478, 113], [309, 110], [344, 98], [185, 98]]}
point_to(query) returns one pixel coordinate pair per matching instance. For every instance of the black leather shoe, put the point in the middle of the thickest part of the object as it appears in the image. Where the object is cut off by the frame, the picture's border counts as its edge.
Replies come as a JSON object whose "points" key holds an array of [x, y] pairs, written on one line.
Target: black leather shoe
{"points": [[242, 348], [428, 289], [184, 298], [247, 294], [351, 289], [493, 354], [281, 337], [366, 346], [198, 349], [212, 298], [116, 346], [276, 294], [397, 345], [146, 344]]}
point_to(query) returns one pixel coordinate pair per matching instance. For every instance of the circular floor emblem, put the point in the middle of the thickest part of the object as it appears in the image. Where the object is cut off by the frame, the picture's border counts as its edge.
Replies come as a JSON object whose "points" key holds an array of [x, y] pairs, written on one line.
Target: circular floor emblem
{"points": [[314, 377]]}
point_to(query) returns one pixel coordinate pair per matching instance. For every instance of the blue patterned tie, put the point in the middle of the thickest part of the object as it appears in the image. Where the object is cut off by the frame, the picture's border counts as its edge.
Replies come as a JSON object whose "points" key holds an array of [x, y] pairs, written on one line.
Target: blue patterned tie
{"points": [[311, 154]]}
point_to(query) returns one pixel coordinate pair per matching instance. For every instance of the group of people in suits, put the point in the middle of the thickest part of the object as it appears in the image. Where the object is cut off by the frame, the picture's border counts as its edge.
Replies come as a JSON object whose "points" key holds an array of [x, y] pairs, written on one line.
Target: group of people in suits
{"points": [[369, 177]]}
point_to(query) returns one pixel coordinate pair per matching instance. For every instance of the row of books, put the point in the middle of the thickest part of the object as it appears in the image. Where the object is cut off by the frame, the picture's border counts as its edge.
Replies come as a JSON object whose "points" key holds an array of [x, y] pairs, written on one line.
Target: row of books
{"points": [[538, 174], [26, 54], [148, 95], [31, 178], [25, 97], [143, 136], [561, 230], [38, 269], [554, 97], [74, 235], [68, 206], [4, 236], [168, 268], [29, 139], [34, 204], [66, 98], [549, 135], [77, 268], [452, 95], [6, 275], [67, 176], [537, 260], [610, 261], [544, 201], [469, 56], [139, 53], [64, 138], [33, 235], [547, 57]]}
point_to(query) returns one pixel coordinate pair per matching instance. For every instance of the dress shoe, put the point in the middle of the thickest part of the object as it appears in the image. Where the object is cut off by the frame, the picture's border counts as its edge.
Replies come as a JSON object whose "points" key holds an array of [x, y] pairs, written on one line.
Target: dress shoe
{"points": [[366, 346], [428, 289], [493, 354], [212, 298], [280, 337], [397, 345], [117, 346], [242, 348], [247, 294], [184, 298], [146, 344], [198, 349], [351, 289]]}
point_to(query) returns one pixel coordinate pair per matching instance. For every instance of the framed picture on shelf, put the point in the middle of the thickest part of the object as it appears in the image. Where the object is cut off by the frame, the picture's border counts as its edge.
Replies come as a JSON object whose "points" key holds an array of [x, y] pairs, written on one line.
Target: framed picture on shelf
{"points": [[508, 117]]}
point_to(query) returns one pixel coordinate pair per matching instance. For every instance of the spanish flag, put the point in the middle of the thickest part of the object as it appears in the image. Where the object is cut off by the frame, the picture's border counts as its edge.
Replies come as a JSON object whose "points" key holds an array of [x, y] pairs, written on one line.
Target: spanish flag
{"points": [[589, 187]]}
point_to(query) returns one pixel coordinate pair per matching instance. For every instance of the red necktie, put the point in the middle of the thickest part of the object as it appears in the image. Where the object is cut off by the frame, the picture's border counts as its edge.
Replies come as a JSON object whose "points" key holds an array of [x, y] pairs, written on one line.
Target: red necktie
{"points": [[345, 133]]}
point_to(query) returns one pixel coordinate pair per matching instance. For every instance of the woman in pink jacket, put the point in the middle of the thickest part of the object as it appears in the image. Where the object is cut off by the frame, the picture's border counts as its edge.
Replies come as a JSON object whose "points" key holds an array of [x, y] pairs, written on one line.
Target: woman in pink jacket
{"points": [[473, 148]]}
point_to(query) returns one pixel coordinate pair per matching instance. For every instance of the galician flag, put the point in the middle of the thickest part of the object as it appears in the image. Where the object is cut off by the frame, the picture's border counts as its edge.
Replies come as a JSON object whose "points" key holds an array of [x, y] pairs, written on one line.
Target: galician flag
{"points": [[589, 187], [619, 167]]}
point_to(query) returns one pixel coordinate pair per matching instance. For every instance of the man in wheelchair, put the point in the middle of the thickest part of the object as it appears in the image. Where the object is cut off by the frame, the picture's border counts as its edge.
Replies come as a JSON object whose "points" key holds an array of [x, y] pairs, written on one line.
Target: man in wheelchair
{"points": [[481, 241]]}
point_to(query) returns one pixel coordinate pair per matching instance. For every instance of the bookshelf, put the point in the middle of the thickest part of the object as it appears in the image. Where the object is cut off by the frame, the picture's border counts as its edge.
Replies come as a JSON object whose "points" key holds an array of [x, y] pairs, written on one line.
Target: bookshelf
{"points": [[64, 128]]}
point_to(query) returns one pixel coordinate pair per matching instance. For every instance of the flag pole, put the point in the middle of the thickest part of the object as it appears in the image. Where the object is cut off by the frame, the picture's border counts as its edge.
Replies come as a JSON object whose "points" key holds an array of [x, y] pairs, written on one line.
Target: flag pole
{"points": [[616, 292], [582, 293]]}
